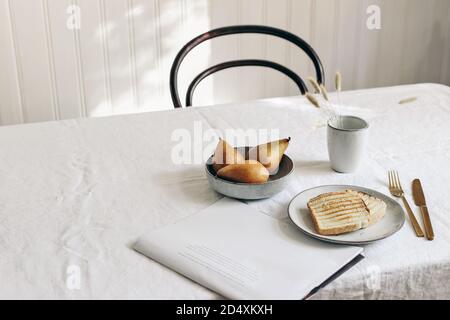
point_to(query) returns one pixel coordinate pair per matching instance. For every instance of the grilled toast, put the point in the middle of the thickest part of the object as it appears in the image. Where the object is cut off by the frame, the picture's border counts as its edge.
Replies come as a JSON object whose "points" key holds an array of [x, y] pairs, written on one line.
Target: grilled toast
{"points": [[344, 211], [376, 207]]}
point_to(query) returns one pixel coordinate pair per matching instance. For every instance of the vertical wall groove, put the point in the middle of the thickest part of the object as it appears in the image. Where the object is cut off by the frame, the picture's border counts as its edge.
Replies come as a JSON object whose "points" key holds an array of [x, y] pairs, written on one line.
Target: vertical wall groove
{"points": [[336, 56], [157, 9], [358, 26], [287, 53], [238, 44], [18, 64], [132, 48], [262, 71], [312, 32], [239, 21], [105, 51], [445, 73], [51, 60], [79, 63], [184, 20], [378, 67], [403, 42]]}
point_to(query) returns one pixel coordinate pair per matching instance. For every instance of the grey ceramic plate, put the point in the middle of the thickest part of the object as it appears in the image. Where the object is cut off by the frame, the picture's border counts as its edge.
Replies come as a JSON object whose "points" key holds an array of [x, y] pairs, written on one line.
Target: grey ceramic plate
{"points": [[248, 191], [390, 224]]}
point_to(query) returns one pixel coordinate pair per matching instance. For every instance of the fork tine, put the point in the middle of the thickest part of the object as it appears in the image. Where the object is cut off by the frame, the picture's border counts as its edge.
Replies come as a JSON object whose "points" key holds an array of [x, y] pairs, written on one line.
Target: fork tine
{"points": [[394, 177], [397, 178], [390, 180], [394, 183]]}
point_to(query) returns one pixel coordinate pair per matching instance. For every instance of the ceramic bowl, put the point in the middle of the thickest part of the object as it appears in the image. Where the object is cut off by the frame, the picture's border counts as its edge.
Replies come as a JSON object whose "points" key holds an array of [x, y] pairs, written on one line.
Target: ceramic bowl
{"points": [[251, 191]]}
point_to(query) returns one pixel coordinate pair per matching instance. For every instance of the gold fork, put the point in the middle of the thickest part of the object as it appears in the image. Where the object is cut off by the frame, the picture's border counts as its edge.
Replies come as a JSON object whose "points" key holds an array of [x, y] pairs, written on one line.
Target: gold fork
{"points": [[396, 190]]}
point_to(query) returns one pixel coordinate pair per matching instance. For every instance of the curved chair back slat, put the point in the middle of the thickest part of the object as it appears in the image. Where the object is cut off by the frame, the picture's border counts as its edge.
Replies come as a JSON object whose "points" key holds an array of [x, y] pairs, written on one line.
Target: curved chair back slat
{"points": [[219, 32], [241, 63]]}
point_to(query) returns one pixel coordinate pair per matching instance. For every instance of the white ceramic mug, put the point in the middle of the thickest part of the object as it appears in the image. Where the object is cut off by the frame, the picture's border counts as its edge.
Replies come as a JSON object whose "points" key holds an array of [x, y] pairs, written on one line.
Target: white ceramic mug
{"points": [[347, 138]]}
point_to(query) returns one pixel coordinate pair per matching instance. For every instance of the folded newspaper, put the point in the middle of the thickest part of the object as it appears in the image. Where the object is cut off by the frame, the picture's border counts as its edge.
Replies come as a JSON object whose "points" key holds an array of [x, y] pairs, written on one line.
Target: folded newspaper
{"points": [[241, 253]]}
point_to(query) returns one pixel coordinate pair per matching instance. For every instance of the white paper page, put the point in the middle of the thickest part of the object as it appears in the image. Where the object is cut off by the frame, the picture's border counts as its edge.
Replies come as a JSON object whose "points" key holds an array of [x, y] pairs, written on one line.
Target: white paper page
{"points": [[241, 253]]}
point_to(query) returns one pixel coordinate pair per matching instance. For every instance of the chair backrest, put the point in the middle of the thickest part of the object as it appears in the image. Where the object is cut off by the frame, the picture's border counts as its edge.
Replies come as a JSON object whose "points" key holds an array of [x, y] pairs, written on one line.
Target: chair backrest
{"points": [[238, 63]]}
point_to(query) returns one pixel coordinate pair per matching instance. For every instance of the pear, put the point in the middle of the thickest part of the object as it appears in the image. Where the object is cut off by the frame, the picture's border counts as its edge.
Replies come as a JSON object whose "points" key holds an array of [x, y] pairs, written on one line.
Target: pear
{"points": [[251, 171], [270, 154], [225, 154]]}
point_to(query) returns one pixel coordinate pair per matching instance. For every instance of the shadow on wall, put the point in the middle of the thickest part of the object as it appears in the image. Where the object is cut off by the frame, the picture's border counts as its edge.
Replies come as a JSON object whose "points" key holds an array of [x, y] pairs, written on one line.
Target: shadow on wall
{"points": [[248, 83], [137, 79], [137, 61]]}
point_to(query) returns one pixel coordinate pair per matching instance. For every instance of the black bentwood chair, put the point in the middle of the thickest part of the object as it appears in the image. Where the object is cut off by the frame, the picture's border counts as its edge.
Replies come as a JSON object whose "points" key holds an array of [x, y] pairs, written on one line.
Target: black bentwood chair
{"points": [[239, 63]]}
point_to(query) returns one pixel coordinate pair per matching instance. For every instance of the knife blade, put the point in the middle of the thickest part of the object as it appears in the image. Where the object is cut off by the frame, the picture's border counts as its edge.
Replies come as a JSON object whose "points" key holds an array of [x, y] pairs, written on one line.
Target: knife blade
{"points": [[419, 200]]}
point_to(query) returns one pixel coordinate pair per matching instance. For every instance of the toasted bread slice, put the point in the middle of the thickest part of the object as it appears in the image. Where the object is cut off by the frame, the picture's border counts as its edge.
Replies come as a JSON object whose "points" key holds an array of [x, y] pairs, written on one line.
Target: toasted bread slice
{"points": [[338, 212], [376, 207], [345, 211]]}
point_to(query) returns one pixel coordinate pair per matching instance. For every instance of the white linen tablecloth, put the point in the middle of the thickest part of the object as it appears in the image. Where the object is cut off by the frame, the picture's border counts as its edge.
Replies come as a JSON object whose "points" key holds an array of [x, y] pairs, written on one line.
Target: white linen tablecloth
{"points": [[76, 194]]}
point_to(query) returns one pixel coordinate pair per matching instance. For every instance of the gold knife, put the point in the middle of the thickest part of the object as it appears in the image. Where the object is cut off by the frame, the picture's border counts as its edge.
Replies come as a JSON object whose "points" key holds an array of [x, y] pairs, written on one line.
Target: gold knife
{"points": [[419, 200]]}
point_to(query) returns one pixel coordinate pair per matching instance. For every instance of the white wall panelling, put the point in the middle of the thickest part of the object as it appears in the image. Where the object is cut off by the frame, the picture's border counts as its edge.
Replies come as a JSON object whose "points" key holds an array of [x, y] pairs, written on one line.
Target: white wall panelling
{"points": [[119, 60], [31, 54], [11, 105], [348, 31], [301, 21]]}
